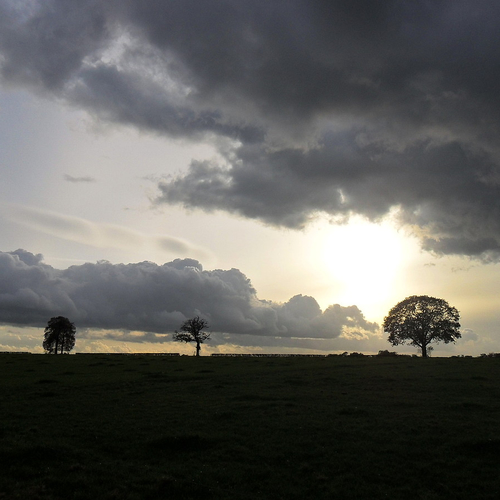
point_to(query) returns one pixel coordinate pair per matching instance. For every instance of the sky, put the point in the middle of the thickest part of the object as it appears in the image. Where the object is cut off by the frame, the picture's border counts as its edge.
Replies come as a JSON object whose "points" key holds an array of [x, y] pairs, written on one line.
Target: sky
{"points": [[287, 170]]}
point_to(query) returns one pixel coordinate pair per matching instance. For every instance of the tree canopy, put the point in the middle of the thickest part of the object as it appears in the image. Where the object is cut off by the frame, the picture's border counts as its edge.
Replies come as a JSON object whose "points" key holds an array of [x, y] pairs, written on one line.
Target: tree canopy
{"points": [[191, 331], [59, 337], [419, 320]]}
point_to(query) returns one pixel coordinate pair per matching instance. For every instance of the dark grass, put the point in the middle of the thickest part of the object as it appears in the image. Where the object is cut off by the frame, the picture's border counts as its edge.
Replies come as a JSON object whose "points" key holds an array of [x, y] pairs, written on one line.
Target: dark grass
{"points": [[118, 427]]}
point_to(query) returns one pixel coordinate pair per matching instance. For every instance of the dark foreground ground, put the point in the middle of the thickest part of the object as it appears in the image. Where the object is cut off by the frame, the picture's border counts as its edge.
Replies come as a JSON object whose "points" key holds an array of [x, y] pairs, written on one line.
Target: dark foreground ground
{"points": [[119, 427]]}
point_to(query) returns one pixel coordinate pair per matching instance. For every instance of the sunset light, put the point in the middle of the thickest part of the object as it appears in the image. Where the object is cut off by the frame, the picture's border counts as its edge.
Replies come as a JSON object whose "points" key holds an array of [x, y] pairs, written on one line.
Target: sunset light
{"points": [[364, 259]]}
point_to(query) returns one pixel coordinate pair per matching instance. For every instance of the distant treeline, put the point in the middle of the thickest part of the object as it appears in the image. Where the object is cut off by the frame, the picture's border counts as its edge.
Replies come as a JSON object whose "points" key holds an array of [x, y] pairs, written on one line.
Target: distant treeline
{"points": [[15, 352], [132, 353], [261, 355], [264, 355]]}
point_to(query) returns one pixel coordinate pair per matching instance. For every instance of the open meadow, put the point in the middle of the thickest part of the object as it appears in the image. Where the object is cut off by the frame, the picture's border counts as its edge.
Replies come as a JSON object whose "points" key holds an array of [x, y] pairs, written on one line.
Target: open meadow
{"points": [[146, 427]]}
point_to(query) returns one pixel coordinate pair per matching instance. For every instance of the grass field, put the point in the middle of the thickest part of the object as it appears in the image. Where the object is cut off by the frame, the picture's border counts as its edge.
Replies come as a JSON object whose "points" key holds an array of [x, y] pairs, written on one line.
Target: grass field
{"points": [[142, 427]]}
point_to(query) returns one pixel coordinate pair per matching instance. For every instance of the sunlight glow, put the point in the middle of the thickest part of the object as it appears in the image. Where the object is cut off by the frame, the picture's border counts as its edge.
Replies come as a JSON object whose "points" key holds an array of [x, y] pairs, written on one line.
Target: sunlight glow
{"points": [[363, 259]]}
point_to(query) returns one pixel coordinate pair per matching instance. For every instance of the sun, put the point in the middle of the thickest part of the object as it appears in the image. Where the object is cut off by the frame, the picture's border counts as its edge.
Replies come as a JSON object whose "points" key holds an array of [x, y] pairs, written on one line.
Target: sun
{"points": [[363, 259]]}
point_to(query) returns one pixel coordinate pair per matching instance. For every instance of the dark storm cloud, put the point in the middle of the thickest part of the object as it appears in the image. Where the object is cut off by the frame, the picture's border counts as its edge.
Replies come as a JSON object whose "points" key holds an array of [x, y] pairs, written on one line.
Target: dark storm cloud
{"points": [[440, 188], [146, 297], [340, 108]]}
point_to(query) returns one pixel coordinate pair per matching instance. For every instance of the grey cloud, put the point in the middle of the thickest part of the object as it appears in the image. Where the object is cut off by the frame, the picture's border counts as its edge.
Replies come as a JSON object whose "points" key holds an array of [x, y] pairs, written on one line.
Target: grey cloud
{"points": [[173, 245], [27, 257], [86, 178], [336, 108], [469, 335], [145, 297], [488, 249], [46, 46], [123, 96], [439, 188], [94, 233]]}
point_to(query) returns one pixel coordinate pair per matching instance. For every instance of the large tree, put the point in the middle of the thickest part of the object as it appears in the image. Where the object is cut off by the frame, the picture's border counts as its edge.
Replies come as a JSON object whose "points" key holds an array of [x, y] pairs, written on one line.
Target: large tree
{"points": [[419, 320], [59, 337], [192, 331]]}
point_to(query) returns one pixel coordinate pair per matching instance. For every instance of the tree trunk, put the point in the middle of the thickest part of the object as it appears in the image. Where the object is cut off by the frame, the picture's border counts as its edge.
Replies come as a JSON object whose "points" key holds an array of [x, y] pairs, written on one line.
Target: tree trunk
{"points": [[424, 350], [197, 348]]}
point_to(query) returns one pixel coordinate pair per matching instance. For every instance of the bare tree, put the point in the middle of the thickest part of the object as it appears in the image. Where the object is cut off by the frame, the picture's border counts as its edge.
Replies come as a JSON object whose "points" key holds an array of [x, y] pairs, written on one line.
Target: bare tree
{"points": [[419, 320], [59, 335], [191, 331]]}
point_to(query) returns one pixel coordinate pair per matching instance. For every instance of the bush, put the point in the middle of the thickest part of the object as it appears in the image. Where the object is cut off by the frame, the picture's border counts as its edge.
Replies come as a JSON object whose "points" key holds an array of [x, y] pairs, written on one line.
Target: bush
{"points": [[387, 353]]}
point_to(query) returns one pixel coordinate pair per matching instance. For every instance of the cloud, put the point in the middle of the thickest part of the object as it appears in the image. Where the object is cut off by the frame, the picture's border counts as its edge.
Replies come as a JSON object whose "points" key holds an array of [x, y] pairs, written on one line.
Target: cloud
{"points": [[469, 335], [97, 234], [142, 302], [15, 339], [70, 178], [317, 108]]}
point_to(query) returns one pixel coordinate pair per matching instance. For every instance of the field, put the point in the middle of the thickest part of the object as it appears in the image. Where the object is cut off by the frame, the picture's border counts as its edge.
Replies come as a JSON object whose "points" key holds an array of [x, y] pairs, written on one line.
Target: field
{"points": [[142, 427]]}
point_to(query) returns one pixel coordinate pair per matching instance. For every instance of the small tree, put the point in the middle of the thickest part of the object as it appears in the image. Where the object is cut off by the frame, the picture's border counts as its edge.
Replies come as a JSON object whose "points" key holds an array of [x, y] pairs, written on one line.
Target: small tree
{"points": [[191, 331], [59, 335], [419, 320]]}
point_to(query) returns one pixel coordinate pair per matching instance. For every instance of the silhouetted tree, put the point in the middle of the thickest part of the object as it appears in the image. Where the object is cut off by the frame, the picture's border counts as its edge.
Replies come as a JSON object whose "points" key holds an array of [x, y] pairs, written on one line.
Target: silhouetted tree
{"points": [[191, 331], [59, 335], [419, 320]]}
